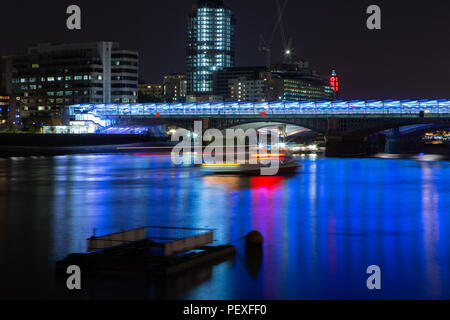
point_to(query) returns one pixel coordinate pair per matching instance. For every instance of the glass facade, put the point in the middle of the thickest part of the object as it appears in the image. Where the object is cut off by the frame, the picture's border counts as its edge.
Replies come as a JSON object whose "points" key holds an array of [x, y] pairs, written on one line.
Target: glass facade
{"points": [[210, 44]]}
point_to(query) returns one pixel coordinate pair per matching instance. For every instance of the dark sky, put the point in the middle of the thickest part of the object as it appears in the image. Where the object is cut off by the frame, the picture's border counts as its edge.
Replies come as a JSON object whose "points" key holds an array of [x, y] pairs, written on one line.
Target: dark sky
{"points": [[408, 58]]}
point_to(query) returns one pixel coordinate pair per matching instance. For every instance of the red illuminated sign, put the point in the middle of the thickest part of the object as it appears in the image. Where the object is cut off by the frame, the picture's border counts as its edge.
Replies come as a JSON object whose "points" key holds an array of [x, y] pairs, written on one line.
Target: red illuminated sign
{"points": [[334, 83]]}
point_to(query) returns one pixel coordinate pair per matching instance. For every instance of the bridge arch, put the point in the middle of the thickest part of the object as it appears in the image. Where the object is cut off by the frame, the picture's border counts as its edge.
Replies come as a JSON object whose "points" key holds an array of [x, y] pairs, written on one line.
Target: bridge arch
{"points": [[373, 127], [313, 124]]}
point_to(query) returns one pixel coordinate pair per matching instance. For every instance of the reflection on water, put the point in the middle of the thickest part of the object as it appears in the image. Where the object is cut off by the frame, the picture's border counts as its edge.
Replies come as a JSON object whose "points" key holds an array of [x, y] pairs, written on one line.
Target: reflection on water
{"points": [[140, 286], [430, 221], [322, 227]]}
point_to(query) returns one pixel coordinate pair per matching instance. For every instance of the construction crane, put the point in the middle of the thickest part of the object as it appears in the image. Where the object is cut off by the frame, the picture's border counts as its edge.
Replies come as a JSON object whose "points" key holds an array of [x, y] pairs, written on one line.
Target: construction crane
{"points": [[287, 46], [266, 45]]}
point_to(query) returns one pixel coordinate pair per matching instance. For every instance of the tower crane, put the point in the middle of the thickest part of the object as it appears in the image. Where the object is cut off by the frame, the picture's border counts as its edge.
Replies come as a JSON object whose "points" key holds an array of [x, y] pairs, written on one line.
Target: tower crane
{"points": [[287, 46], [266, 45]]}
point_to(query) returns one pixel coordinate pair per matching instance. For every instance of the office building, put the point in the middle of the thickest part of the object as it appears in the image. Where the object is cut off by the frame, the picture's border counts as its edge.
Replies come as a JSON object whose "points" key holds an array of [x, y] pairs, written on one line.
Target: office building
{"points": [[242, 89], [51, 76], [228, 81], [305, 89], [15, 120], [298, 82], [10, 113], [151, 92], [293, 81], [10, 118], [175, 86], [210, 45], [5, 76], [4, 112]]}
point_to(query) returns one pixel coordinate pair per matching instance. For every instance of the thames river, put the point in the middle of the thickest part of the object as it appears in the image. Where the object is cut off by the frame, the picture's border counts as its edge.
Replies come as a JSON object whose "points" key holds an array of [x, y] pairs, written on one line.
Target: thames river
{"points": [[322, 227]]}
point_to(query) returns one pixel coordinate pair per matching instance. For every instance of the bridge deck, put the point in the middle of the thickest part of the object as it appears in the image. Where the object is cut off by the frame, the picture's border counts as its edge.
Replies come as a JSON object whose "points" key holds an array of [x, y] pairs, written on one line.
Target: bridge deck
{"points": [[380, 108]]}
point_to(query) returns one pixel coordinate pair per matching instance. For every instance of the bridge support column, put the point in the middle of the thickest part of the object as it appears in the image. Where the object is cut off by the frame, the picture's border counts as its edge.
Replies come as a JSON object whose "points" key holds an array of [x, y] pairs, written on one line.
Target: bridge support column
{"points": [[376, 143], [205, 124], [282, 128], [199, 127], [337, 146], [393, 141]]}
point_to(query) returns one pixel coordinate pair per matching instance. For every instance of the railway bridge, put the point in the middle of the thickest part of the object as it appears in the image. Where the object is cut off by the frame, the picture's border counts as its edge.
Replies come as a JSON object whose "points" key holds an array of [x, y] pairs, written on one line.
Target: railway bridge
{"points": [[345, 124]]}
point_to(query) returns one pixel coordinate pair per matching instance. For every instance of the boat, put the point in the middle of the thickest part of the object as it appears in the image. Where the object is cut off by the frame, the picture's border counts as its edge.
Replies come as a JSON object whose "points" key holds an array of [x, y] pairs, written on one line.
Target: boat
{"points": [[287, 165]]}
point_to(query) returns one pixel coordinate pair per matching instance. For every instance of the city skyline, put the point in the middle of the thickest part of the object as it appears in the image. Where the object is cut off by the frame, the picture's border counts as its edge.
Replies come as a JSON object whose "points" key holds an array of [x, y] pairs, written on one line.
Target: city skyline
{"points": [[225, 155], [372, 64]]}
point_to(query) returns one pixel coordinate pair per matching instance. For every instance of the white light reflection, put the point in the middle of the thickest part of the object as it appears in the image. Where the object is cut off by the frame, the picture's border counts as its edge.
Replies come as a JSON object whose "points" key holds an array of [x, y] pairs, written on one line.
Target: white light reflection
{"points": [[430, 222]]}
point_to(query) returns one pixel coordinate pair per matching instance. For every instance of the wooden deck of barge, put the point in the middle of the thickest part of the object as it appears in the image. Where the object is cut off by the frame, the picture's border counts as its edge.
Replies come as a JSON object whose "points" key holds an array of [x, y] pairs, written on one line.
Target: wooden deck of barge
{"points": [[138, 253]]}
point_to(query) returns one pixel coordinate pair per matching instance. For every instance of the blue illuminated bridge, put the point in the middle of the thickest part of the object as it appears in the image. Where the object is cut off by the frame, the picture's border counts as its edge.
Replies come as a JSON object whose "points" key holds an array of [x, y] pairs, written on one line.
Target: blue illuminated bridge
{"points": [[334, 119], [291, 108]]}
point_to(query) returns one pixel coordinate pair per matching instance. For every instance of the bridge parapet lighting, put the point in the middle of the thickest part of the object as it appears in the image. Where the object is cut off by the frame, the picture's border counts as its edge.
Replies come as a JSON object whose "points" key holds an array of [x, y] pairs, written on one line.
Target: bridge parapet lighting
{"points": [[354, 107]]}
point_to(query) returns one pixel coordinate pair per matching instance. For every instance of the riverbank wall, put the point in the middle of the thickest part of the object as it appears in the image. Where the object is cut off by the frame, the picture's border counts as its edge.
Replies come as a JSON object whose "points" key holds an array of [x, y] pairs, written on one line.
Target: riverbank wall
{"points": [[22, 145]]}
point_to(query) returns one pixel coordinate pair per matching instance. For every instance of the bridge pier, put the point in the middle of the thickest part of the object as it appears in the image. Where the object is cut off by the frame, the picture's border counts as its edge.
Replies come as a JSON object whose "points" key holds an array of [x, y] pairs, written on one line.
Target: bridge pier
{"points": [[393, 141], [205, 124], [282, 129], [337, 146]]}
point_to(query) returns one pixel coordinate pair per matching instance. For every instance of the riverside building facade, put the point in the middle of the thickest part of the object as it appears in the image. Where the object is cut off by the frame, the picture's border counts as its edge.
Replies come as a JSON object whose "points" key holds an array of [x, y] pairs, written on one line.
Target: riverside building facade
{"points": [[50, 76]]}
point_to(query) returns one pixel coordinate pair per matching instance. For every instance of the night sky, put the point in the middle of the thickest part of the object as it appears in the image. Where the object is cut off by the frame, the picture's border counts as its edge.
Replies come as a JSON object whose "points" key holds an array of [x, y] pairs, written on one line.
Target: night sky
{"points": [[408, 58]]}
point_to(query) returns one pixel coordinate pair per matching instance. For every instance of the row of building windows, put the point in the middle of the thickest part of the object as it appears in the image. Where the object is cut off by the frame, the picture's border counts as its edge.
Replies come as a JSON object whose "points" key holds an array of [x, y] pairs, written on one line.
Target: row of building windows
{"points": [[124, 55], [124, 85], [66, 86], [124, 71], [124, 93], [62, 102], [71, 78], [57, 78], [71, 63], [68, 101], [21, 73], [62, 93], [56, 65], [77, 92], [124, 100], [123, 78], [124, 63]]}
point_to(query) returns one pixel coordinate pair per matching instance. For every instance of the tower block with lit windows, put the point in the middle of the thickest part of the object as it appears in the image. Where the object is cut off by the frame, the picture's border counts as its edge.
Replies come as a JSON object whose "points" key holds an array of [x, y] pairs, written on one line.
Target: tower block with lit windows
{"points": [[210, 46]]}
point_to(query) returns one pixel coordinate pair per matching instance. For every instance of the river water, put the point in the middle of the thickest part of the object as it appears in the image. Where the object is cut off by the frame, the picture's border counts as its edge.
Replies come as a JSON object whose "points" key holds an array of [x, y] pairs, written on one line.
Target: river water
{"points": [[322, 227]]}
